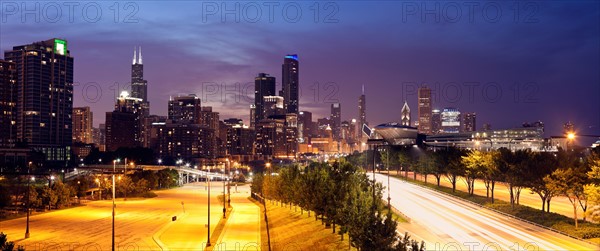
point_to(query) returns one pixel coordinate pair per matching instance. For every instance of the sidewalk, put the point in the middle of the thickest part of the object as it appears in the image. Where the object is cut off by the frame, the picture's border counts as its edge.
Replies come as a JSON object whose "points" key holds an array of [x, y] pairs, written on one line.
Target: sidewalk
{"points": [[242, 231]]}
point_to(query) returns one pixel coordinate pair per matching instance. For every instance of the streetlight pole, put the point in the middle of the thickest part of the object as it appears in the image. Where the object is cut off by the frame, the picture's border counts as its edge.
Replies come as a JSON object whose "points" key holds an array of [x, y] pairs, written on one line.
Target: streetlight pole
{"points": [[374, 150], [387, 160], [113, 204], [228, 182], [28, 188], [224, 209], [208, 181]]}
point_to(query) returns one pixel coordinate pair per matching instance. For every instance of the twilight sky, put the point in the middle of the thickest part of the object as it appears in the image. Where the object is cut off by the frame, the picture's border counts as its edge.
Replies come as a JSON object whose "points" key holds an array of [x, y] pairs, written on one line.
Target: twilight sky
{"points": [[510, 62]]}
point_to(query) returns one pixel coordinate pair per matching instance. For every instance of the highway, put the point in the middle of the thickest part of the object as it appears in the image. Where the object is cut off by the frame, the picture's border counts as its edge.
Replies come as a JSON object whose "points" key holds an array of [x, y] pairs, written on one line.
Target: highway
{"points": [[559, 204], [457, 225]]}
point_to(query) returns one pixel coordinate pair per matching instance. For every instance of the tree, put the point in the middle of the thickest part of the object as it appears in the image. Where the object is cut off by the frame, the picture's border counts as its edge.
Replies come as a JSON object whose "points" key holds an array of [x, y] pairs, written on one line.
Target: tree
{"points": [[80, 185], [568, 182], [490, 172], [6, 245], [257, 184], [592, 190], [426, 164], [482, 165], [404, 160], [49, 197], [540, 166], [473, 163], [439, 168], [451, 158], [5, 199], [63, 194], [125, 186], [406, 244], [34, 198], [512, 166]]}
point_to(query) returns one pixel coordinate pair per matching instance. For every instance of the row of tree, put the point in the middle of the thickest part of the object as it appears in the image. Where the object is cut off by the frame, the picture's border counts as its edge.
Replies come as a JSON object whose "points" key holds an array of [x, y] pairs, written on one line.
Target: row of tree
{"points": [[342, 195], [574, 174], [54, 194]]}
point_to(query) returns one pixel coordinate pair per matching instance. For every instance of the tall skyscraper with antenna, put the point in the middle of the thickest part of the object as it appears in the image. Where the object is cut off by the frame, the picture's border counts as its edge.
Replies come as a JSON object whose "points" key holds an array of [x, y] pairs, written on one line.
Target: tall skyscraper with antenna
{"points": [[139, 86], [139, 90], [362, 113]]}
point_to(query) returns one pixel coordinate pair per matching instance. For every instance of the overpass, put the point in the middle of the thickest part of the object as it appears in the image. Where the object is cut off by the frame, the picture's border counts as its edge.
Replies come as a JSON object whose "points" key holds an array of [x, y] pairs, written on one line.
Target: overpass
{"points": [[186, 174]]}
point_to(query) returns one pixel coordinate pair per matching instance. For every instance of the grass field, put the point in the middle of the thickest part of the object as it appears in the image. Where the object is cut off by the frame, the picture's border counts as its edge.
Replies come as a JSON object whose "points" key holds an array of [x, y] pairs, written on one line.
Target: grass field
{"points": [[291, 230]]}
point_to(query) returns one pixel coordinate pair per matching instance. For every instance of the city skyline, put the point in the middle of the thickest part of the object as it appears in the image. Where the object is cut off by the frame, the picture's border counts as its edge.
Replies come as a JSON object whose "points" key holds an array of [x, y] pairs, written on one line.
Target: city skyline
{"points": [[404, 59], [390, 125]]}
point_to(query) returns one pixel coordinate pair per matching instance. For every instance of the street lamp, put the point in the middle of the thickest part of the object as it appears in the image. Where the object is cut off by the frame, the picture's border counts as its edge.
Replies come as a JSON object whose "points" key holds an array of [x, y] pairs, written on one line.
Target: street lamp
{"points": [[236, 183], [113, 203], [208, 215], [228, 182], [99, 189], [28, 188], [570, 138], [224, 209]]}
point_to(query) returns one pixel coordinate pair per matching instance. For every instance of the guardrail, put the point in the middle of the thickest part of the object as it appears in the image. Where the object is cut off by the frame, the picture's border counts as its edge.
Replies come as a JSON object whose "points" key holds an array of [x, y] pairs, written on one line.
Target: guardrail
{"points": [[502, 213], [262, 200]]}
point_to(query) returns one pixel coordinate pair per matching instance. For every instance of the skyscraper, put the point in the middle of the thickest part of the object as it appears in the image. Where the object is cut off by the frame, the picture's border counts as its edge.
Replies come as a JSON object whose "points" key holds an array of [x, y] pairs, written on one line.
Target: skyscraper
{"points": [[469, 122], [82, 125], [290, 82], [273, 106], [185, 109], [264, 85], [451, 120], [44, 73], [336, 119], [139, 86], [305, 125], [123, 125], [405, 120], [252, 114], [139, 90], [240, 140], [210, 119], [362, 113], [8, 104], [424, 110], [436, 121]]}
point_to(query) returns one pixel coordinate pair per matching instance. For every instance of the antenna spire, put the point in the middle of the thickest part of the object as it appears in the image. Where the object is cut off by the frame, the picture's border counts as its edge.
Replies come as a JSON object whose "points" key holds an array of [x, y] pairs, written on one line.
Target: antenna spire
{"points": [[134, 55], [140, 62]]}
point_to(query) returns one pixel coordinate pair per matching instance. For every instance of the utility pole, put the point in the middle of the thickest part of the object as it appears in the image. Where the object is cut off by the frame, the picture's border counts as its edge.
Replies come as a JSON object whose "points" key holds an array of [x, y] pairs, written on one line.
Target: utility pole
{"points": [[28, 188]]}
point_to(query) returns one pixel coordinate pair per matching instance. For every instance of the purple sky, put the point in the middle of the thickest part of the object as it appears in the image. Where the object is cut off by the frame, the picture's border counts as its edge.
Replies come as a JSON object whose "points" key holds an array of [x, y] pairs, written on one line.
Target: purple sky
{"points": [[530, 61]]}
